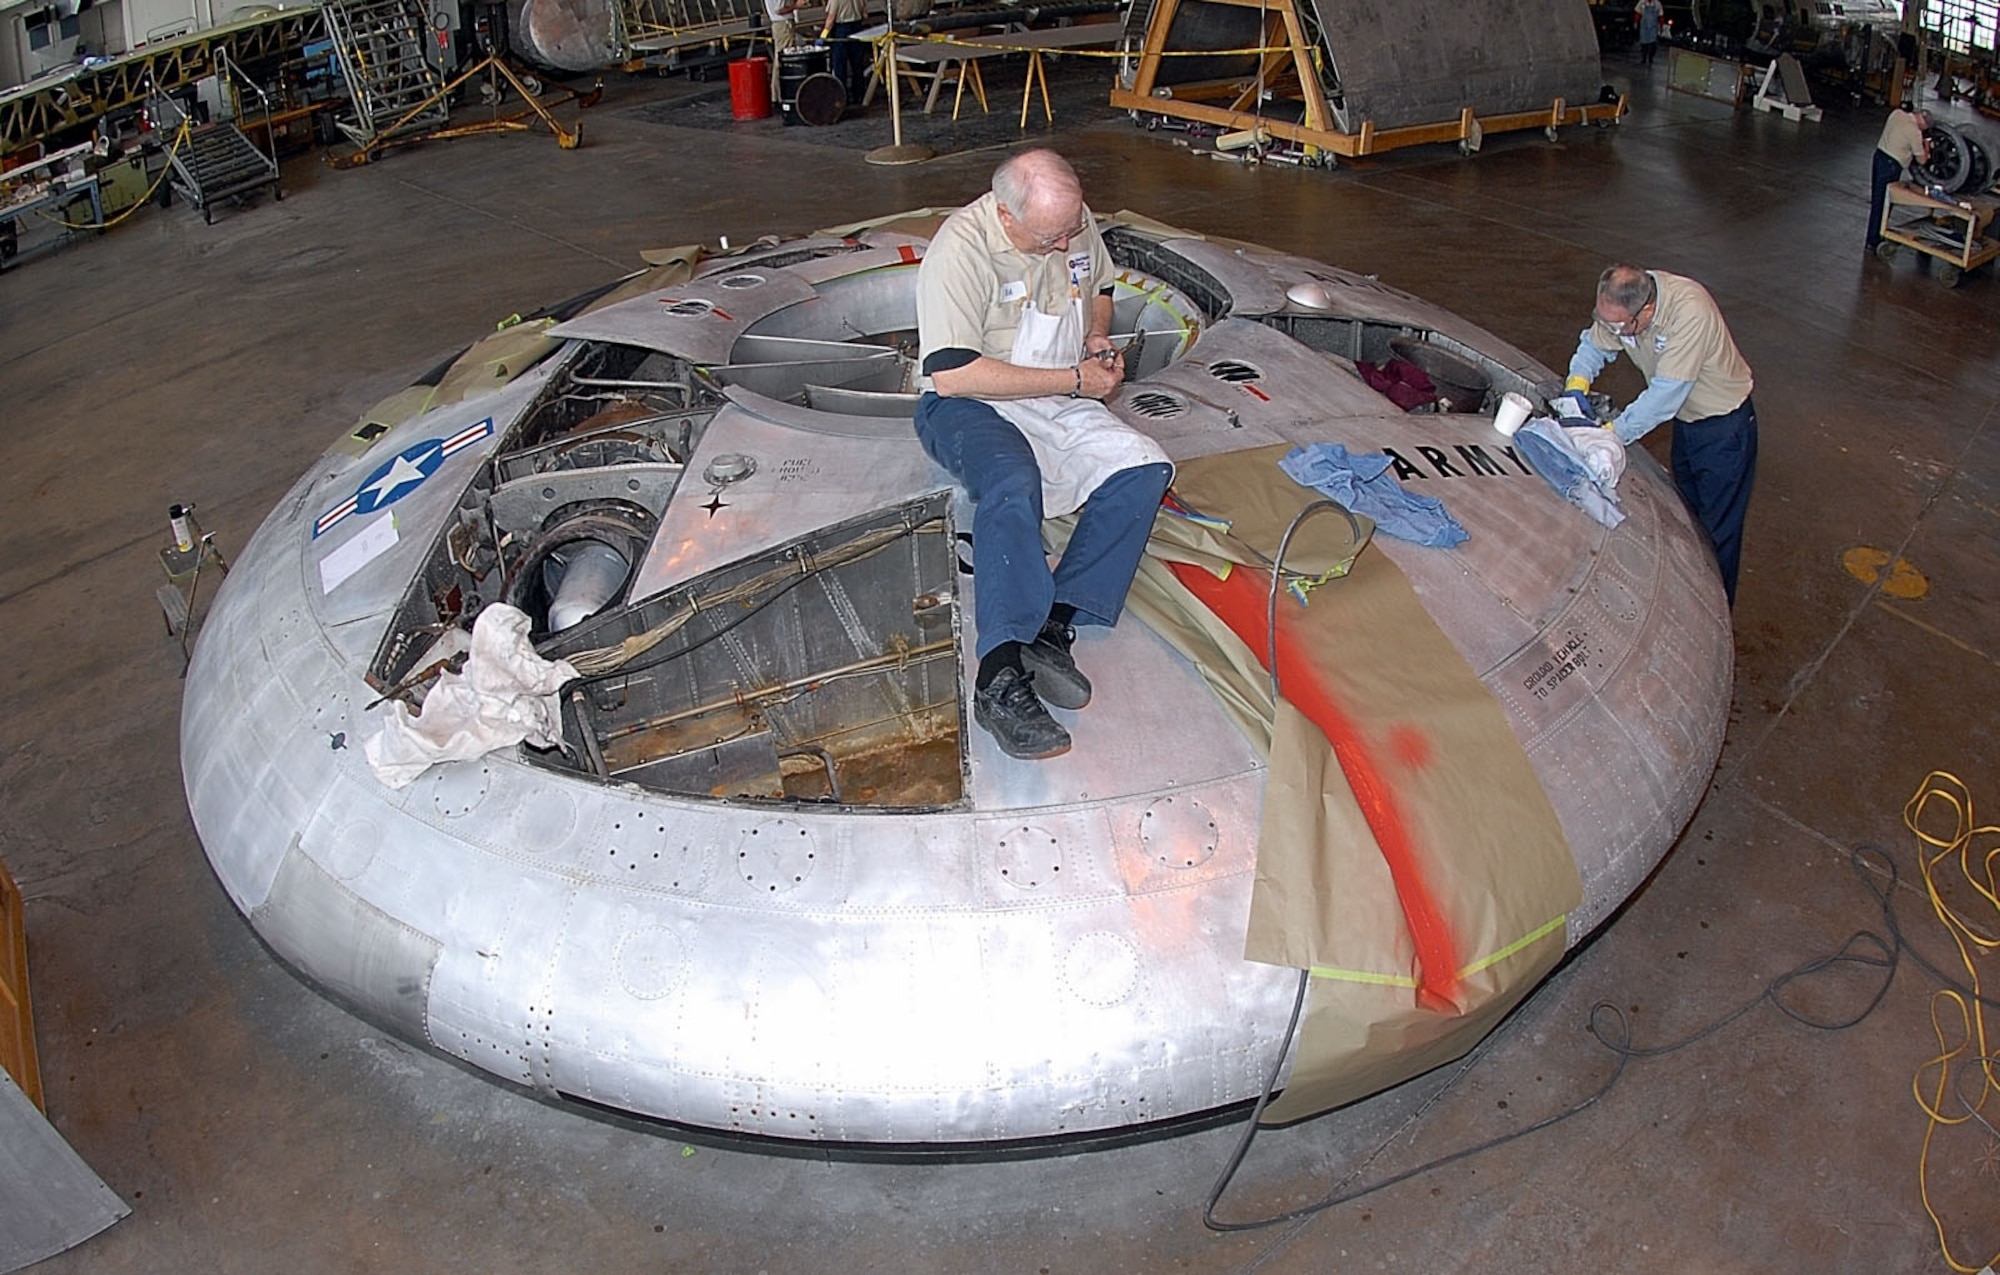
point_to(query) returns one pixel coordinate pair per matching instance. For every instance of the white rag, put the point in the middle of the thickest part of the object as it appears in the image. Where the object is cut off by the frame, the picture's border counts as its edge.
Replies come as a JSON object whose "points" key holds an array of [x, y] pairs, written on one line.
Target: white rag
{"points": [[506, 695], [1602, 454]]}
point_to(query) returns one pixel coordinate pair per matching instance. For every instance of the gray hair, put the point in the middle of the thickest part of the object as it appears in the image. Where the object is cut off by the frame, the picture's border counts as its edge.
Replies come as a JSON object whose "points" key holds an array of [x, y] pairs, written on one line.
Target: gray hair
{"points": [[1031, 175], [1627, 287]]}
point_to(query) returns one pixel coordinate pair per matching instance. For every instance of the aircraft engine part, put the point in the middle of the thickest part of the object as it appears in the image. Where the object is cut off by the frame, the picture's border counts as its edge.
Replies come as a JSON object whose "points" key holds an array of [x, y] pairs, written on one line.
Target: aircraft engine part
{"points": [[1979, 164], [774, 882], [579, 564], [1951, 162], [582, 578], [567, 35]]}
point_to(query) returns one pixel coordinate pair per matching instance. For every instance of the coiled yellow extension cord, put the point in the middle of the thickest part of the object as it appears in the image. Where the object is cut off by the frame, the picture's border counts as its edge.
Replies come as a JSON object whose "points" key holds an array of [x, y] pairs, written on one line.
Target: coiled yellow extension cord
{"points": [[1940, 814]]}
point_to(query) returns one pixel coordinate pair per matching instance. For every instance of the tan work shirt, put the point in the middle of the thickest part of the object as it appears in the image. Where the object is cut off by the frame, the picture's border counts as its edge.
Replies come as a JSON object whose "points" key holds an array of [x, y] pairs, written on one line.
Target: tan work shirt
{"points": [[1686, 341], [1902, 138], [973, 283]]}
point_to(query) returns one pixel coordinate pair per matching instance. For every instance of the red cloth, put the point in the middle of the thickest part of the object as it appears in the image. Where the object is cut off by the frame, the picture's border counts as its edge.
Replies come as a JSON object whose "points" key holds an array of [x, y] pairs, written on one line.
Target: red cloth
{"points": [[1403, 382]]}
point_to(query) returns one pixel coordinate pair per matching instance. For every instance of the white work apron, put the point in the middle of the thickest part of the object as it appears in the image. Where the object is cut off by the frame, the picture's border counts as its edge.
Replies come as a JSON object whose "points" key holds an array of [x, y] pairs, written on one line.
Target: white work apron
{"points": [[1078, 442]]}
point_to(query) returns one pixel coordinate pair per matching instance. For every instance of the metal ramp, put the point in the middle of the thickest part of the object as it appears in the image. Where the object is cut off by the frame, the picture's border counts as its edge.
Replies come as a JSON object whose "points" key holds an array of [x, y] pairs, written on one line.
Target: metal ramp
{"points": [[394, 87], [662, 26], [217, 162]]}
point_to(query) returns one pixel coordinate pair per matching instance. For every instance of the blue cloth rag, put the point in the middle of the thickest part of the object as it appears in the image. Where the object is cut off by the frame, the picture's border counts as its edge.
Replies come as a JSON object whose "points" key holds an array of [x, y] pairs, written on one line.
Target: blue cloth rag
{"points": [[1544, 444], [1363, 484]]}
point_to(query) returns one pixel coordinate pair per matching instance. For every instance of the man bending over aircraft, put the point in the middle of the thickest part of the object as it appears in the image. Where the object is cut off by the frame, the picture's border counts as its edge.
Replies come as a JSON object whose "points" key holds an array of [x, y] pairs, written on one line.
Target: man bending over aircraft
{"points": [[1695, 377]]}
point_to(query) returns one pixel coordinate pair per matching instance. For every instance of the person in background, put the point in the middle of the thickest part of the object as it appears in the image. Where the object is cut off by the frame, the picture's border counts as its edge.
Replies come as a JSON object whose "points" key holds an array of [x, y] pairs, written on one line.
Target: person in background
{"points": [[1014, 320], [850, 56], [1649, 14], [1695, 377], [1903, 144], [784, 34]]}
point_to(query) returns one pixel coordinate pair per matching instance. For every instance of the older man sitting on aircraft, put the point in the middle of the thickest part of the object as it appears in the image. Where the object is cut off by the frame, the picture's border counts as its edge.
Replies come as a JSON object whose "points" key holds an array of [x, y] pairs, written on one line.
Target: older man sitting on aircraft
{"points": [[1014, 316]]}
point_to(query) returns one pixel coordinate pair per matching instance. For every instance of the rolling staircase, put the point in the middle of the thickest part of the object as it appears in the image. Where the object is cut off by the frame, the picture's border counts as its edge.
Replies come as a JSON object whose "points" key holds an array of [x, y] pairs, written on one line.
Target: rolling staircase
{"points": [[217, 161], [394, 87]]}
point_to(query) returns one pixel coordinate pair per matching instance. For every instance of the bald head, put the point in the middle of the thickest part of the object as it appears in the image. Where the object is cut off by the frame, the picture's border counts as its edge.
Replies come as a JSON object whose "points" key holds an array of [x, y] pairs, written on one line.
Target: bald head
{"points": [[1041, 199], [1037, 177], [1624, 287]]}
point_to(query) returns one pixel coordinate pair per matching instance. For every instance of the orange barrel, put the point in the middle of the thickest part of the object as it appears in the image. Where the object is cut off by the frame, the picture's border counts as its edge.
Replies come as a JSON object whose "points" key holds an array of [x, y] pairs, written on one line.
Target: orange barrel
{"points": [[750, 88]]}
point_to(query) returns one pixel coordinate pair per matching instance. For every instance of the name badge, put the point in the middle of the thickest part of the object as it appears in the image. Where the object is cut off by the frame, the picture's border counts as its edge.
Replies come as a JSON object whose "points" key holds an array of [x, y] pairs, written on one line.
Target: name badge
{"points": [[1013, 290], [1079, 265], [1660, 343]]}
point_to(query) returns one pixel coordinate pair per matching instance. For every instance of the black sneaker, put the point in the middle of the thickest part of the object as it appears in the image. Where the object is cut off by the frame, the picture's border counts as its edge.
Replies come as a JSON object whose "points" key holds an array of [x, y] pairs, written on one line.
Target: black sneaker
{"points": [[1056, 676], [1011, 713]]}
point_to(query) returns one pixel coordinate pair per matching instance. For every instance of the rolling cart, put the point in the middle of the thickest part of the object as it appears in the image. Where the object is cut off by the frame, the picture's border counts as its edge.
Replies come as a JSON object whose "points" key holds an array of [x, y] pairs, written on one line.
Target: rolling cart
{"points": [[1951, 232]]}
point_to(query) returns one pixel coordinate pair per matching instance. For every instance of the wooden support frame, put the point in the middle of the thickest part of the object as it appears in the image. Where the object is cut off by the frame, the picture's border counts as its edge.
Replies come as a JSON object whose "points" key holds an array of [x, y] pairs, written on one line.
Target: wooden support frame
{"points": [[1290, 60], [1288, 49], [17, 1022]]}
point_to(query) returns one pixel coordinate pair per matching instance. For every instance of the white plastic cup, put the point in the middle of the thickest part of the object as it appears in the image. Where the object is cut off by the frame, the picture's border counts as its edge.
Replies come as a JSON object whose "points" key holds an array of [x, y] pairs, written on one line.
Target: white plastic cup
{"points": [[1514, 409]]}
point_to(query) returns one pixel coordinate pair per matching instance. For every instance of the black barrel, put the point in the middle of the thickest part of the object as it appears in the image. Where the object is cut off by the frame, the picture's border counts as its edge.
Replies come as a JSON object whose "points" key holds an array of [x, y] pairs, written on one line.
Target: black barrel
{"points": [[795, 67]]}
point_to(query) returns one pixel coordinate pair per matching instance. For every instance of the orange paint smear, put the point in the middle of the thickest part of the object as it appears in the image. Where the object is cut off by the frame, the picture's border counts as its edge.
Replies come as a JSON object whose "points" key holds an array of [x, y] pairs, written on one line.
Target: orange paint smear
{"points": [[1410, 746], [1242, 603]]}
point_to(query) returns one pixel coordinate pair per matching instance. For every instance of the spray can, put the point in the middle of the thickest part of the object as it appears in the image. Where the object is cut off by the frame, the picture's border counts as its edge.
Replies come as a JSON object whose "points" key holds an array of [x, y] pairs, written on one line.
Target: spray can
{"points": [[181, 519]]}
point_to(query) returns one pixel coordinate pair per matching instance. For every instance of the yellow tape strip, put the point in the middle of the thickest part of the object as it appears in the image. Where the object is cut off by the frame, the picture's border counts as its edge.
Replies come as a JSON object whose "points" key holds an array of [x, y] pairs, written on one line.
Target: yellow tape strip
{"points": [[1507, 951], [1404, 980]]}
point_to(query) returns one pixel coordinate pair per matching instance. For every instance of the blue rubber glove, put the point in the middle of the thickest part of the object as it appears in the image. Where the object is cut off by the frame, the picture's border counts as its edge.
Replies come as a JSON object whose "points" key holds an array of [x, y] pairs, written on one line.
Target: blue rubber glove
{"points": [[1574, 407]]}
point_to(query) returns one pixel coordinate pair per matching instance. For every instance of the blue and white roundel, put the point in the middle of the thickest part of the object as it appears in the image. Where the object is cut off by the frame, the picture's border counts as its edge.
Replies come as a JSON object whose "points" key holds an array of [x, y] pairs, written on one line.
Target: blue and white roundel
{"points": [[400, 475]]}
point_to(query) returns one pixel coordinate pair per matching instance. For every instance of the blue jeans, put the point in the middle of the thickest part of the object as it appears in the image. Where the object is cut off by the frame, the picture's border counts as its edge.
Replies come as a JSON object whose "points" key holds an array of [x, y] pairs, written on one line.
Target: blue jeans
{"points": [[849, 60], [1715, 462], [1880, 178], [1014, 586]]}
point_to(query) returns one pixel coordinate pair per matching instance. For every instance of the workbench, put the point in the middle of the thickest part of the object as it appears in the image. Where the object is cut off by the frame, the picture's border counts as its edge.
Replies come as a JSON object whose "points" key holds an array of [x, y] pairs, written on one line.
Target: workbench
{"points": [[1950, 232], [23, 194], [928, 62], [1037, 43]]}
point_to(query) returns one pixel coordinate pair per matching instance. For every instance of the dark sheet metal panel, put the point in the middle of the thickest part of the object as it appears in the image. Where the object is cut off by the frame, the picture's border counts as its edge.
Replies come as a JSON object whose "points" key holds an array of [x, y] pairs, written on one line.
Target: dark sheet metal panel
{"points": [[1403, 62], [49, 1198]]}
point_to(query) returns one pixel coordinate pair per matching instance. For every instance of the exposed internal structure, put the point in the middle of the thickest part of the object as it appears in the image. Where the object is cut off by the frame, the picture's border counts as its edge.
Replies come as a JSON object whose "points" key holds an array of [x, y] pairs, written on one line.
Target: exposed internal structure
{"points": [[828, 668]]}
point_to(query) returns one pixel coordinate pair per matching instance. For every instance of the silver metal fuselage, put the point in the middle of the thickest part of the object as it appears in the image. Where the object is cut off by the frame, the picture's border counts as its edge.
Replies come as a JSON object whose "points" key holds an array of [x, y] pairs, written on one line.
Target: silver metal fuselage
{"points": [[777, 884]]}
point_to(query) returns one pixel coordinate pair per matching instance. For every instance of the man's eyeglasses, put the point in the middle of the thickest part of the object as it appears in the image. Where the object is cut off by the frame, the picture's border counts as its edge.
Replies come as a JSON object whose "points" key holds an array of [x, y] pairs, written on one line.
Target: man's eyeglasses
{"points": [[1050, 243], [1053, 242], [1629, 326]]}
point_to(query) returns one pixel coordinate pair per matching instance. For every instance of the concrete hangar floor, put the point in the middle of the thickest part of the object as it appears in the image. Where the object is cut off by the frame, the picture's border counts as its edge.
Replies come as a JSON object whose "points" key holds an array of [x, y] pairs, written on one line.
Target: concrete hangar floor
{"points": [[254, 1126]]}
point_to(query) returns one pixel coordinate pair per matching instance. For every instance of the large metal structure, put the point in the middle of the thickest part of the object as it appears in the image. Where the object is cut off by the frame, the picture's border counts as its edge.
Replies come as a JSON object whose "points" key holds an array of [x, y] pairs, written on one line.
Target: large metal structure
{"points": [[773, 883], [662, 26], [1354, 77], [60, 108]]}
